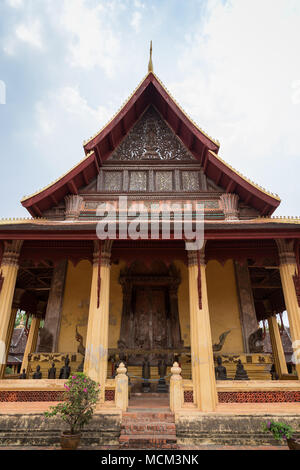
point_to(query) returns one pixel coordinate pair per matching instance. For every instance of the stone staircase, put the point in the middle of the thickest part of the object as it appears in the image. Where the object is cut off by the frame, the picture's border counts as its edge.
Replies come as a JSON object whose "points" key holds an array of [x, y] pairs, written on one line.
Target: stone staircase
{"points": [[148, 424]]}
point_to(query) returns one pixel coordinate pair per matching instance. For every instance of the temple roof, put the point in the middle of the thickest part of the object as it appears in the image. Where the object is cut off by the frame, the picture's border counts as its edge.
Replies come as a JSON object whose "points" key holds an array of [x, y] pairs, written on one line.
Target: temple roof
{"points": [[100, 146]]}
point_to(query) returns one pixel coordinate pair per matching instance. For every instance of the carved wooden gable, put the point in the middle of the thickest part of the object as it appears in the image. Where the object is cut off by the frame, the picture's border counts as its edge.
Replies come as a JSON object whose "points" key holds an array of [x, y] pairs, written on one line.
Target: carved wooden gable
{"points": [[151, 139]]}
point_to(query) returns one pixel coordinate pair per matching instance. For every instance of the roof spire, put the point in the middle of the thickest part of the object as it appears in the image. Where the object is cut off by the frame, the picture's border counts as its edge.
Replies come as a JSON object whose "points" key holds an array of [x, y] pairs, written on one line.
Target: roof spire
{"points": [[150, 64]]}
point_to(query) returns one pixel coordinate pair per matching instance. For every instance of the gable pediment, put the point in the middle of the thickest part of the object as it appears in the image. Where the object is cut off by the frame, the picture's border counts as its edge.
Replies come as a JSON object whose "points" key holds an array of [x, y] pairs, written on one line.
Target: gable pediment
{"points": [[151, 139]]}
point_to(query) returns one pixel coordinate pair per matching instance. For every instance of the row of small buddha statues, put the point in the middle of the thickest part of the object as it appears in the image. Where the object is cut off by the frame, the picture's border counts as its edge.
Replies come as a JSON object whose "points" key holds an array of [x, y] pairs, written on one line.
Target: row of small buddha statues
{"points": [[64, 372], [221, 372]]}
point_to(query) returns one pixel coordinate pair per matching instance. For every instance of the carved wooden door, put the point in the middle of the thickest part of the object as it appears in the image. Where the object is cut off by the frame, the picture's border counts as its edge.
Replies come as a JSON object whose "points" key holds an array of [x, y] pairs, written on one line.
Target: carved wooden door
{"points": [[150, 318]]}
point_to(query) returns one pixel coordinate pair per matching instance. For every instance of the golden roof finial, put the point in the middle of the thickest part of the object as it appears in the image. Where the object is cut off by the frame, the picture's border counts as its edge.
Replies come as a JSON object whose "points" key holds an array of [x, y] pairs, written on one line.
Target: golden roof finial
{"points": [[150, 65]]}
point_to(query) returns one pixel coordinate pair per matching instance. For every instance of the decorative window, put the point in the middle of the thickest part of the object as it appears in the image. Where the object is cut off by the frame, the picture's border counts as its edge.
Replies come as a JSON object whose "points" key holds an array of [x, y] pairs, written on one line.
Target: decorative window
{"points": [[138, 181], [164, 181], [190, 181], [113, 180]]}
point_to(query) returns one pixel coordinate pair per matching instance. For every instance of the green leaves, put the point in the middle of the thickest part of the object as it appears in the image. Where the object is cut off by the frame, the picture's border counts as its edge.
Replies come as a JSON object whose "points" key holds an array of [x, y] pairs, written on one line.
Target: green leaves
{"points": [[280, 431], [79, 402]]}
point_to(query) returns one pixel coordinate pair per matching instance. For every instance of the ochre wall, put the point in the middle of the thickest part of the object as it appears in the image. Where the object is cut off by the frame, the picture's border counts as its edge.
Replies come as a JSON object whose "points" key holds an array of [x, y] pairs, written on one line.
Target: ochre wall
{"points": [[75, 308], [183, 303], [224, 305], [115, 305], [222, 296]]}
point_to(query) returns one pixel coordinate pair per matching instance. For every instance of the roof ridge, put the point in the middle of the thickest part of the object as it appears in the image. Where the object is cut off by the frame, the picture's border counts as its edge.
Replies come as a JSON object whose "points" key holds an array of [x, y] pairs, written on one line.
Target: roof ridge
{"points": [[85, 142], [185, 113]]}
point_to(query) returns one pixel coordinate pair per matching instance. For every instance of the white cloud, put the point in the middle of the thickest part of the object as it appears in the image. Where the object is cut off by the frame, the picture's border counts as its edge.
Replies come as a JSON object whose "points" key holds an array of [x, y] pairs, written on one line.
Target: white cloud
{"points": [[241, 81], [29, 33], [64, 118], [15, 3], [136, 21], [93, 38]]}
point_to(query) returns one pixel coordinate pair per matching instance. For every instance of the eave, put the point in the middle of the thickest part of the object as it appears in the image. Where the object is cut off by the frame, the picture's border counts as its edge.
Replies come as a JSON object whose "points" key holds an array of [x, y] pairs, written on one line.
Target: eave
{"points": [[41, 229]]}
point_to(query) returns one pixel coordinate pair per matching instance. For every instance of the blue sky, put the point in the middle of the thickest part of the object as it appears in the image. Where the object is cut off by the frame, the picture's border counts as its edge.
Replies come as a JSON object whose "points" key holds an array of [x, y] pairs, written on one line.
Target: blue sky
{"points": [[68, 65]]}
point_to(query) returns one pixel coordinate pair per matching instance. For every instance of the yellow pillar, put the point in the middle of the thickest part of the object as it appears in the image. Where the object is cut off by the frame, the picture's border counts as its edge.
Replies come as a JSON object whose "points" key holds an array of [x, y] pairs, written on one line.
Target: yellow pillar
{"points": [[31, 340], [95, 364], [288, 268], [9, 271], [204, 382], [277, 348]]}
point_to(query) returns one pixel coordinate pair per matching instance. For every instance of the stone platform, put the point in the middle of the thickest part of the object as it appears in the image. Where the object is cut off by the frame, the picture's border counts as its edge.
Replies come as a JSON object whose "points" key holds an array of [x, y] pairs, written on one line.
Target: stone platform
{"points": [[232, 426], [23, 424]]}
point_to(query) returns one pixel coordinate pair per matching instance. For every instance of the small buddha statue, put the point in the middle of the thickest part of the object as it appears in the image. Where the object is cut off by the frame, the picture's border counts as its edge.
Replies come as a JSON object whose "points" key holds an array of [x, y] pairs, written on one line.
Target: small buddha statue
{"points": [[146, 375], [65, 370], [162, 368], [80, 366], [240, 373], [52, 372], [23, 375], [273, 373], [37, 374], [220, 370], [162, 371]]}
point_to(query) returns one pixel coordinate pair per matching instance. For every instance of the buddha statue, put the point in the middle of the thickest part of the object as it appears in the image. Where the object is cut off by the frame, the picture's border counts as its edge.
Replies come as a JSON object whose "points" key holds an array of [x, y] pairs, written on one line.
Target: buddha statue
{"points": [[37, 374], [220, 370], [52, 372], [162, 370], [240, 373], [65, 370], [23, 375], [146, 375]]}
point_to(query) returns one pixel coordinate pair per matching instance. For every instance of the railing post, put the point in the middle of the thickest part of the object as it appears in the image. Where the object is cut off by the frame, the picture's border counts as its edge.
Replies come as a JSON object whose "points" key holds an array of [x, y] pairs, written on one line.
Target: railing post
{"points": [[176, 389], [121, 391]]}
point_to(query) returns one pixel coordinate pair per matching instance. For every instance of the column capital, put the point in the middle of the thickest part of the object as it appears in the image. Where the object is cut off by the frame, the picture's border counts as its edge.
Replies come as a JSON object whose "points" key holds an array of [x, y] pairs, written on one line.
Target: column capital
{"points": [[106, 247], [286, 250], [192, 256], [73, 204], [229, 203], [12, 249]]}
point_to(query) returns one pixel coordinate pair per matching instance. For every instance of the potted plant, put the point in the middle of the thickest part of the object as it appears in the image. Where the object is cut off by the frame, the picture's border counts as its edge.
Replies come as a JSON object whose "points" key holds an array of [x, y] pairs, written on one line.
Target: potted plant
{"points": [[282, 432], [77, 408]]}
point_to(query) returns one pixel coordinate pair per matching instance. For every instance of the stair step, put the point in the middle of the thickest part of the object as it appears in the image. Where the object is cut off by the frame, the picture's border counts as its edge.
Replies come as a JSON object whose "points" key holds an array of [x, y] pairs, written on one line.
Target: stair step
{"points": [[148, 442], [158, 429], [142, 416]]}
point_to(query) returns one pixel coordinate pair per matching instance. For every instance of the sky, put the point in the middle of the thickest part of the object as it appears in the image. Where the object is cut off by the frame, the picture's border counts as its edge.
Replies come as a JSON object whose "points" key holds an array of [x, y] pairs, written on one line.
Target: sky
{"points": [[66, 66]]}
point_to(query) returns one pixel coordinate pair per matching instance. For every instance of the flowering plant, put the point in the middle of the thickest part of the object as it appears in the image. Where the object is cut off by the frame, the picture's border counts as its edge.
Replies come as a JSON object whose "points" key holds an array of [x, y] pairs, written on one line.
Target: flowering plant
{"points": [[280, 431], [79, 402]]}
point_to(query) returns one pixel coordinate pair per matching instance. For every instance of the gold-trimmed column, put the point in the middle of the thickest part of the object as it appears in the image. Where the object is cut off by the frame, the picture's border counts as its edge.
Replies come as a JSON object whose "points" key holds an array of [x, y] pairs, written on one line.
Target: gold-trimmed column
{"points": [[288, 269], [203, 375], [95, 364], [9, 270], [33, 334], [277, 348]]}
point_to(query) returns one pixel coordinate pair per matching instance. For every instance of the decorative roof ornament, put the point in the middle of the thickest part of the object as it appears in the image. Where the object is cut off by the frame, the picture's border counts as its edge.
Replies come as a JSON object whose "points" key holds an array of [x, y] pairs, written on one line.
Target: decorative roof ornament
{"points": [[150, 64]]}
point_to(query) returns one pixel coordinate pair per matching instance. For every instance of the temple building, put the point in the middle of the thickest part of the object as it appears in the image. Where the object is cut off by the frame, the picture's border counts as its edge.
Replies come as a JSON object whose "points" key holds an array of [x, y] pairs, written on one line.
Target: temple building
{"points": [[153, 302]]}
